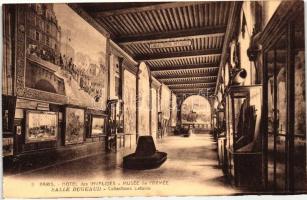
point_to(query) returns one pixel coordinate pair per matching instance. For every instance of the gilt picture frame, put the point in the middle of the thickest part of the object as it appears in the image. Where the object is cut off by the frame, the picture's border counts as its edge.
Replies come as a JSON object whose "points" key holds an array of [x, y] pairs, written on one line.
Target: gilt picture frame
{"points": [[98, 125], [74, 125], [41, 126]]}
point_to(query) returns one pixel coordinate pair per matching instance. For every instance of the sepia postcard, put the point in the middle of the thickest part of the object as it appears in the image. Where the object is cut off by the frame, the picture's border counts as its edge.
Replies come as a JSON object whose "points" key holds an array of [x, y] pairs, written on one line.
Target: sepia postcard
{"points": [[155, 98]]}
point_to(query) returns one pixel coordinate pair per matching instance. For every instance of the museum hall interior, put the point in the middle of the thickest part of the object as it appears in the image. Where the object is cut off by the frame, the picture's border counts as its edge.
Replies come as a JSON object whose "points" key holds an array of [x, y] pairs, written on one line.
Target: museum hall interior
{"points": [[153, 98]]}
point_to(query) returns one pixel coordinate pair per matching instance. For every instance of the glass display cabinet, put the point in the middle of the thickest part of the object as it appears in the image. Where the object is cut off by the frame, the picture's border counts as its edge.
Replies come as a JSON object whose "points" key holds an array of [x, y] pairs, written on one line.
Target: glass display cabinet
{"points": [[243, 140], [221, 119], [221, 137]]}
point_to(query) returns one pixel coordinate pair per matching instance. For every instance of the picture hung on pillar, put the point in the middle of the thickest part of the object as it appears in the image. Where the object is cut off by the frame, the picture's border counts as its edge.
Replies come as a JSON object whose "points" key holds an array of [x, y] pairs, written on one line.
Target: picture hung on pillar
{"points": [[41, 126], [74, 125], [129, 103]]}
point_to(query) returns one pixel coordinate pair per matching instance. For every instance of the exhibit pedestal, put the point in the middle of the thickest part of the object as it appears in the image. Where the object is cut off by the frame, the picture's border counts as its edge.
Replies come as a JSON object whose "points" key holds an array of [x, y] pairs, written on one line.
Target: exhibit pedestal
{"points": [[245, 168], [221, 143]]}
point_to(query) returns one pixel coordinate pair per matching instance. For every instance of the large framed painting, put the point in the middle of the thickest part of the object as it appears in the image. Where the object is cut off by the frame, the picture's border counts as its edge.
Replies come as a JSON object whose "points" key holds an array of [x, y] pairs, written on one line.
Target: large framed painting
{"points": [[57, 60], [98, 125], [41, 126], [74, 125]]}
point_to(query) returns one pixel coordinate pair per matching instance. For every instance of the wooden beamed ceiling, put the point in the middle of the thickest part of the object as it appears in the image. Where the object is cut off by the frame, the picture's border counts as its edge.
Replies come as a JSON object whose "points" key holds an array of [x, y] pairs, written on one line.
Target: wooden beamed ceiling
{"points": [[181, 42]]}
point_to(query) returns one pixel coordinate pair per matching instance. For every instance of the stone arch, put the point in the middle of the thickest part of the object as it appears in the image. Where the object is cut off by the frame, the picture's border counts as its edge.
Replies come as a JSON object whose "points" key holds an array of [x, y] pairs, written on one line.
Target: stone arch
{"points": [[196, 109], [45, 85]]}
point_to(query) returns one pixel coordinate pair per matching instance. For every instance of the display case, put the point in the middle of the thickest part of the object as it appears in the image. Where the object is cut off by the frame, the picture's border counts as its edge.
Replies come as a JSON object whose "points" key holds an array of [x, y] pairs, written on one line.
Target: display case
{"points": [[243, 140], [221, 137]]}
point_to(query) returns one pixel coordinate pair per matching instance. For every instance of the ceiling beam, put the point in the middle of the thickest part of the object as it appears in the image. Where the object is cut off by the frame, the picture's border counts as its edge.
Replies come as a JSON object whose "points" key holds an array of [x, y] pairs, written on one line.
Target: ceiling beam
{"points": [[187, 82], [213, 31], [168, 56], [195, 92], [195, 85], [160, 6], [188, 89], [184, 70], [191, 92], [177, 79], [186, 75], [197, 66]]}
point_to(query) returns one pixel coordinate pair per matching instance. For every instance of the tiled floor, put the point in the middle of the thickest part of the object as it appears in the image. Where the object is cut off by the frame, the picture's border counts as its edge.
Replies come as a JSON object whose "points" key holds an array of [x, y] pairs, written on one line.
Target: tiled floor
{"points": [[191, 169]]}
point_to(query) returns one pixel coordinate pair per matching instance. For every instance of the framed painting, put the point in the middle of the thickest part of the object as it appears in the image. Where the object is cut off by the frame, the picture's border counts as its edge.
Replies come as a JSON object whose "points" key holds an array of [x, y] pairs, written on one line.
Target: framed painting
{"points": [[98, 123], [74, 125], [57, 61], [41, 126], [8, 146]]}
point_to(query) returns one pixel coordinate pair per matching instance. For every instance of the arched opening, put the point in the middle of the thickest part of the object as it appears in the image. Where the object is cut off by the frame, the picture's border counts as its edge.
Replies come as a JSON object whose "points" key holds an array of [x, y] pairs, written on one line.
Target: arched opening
{"points": [[196, 112], [45, 85]]}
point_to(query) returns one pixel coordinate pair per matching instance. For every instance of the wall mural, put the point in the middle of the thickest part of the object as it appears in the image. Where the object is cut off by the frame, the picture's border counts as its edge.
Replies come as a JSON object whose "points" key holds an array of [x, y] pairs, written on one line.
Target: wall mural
{"points": [[70, 62], [74, 130], [195, 110], [129, 103], [143, 100]]}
